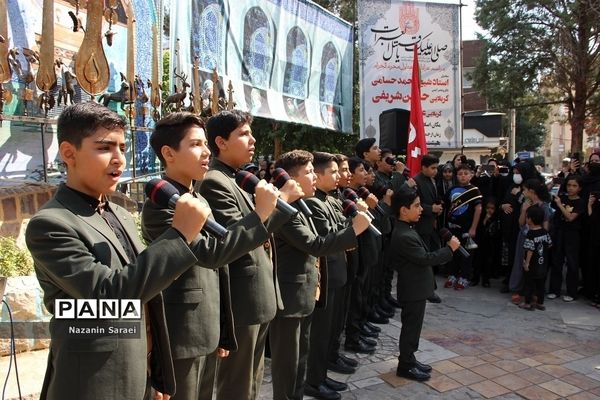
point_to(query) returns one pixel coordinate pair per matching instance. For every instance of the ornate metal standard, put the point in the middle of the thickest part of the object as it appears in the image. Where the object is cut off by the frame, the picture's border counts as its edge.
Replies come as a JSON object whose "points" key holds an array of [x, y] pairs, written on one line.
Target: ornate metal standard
{"points": [[91, 66]]}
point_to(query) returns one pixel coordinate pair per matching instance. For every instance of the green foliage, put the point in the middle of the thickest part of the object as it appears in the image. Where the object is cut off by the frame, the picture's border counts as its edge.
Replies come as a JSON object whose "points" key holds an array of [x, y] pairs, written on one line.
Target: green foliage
{"points": [[13, 260], [296, 136]]}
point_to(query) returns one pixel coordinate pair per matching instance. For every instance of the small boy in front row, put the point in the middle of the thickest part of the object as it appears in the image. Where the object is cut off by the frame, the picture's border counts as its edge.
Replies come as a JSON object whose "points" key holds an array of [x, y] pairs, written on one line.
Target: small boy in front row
{"points": [[536, 245]]}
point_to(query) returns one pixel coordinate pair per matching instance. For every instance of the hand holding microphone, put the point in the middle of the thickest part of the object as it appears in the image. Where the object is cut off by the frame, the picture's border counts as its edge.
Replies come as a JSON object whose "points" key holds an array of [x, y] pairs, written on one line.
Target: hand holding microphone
{"points": [[351, 211], [370, 199], [453, 242], [191, 215], [248, 181], [351, 195], [280, 177]]}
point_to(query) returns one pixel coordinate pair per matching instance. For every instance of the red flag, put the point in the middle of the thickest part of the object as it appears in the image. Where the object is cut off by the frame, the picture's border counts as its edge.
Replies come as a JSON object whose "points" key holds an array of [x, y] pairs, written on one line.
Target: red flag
{"points": [[417, 145]]}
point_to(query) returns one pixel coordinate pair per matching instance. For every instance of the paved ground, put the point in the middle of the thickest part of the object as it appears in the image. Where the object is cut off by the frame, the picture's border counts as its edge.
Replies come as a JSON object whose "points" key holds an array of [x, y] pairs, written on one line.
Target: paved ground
{"points": [[480, 345]]}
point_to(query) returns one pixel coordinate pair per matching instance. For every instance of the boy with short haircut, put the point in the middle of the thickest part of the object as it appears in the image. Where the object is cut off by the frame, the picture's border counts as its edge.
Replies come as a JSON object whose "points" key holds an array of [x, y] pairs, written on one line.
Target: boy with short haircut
{"points": [[535, 265], [464, 211], [85, 247], [413, 260], [364, 307], [198, 303], [302, 275], [368, 150], [328, 321], [255, 295]]}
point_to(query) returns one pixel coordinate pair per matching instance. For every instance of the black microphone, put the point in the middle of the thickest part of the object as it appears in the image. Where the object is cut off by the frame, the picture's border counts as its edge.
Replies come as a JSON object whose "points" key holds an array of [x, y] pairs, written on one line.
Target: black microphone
{"points": [[350, 210], [248, 181], [364, 193], [163, 194], [280, 177], [446, 235], [352, 196]]}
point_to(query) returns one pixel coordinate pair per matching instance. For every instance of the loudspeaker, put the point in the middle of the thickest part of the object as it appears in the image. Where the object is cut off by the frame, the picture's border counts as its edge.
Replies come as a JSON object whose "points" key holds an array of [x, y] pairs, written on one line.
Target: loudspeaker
{"points": [[393, 130]]}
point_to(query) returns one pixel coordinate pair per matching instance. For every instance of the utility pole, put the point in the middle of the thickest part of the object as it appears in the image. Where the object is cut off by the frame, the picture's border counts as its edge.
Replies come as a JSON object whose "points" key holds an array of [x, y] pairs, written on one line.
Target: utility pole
{"points": [[512, 134]]}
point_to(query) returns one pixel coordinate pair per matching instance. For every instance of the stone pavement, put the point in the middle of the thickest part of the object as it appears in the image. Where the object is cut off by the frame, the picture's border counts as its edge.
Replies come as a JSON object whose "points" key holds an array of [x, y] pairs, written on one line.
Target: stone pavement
{"points": [[480, 345]]}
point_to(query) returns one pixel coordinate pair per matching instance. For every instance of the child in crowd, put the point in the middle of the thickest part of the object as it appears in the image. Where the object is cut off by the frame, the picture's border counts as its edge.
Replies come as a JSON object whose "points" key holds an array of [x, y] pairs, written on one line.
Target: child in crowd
{"points": [[487, 257], [535, 265], [534, 193], [464, 210], [567, 224]]}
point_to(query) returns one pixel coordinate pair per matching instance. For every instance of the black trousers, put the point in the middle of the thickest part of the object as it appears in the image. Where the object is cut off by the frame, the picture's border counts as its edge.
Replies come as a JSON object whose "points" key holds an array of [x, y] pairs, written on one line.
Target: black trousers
{"points": [[565, 249], [412, 316], [341, 306], [320, 335], [533, 286]]}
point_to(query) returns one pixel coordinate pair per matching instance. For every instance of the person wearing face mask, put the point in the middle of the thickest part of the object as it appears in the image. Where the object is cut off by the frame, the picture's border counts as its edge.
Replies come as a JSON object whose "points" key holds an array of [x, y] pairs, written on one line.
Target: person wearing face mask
{"points": [[510, 208]]}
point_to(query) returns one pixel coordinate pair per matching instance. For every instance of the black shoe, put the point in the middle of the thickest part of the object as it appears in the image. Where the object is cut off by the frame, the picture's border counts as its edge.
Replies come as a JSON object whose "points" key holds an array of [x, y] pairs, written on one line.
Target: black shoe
{"points": [[413, 373], [349, 361], [335, 385], [375, 318], [474, 283], [434, 298], [393, 302], [340, 366], [486, 284], [423, 367], [372, 327], [387, 307], [382, 312], [321, 392], [368, 341], [504, 289], [359, 347], [366, 332]]}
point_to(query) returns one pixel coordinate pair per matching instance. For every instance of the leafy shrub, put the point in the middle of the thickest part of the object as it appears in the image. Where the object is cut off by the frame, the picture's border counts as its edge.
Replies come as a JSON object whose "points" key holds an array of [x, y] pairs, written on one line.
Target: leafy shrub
{"points": [[14, 261]]}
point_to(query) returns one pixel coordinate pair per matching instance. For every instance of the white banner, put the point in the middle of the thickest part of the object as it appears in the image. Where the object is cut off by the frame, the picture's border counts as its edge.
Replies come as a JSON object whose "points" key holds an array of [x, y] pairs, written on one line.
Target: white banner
{"points": [[388, 32], [289, 60]]}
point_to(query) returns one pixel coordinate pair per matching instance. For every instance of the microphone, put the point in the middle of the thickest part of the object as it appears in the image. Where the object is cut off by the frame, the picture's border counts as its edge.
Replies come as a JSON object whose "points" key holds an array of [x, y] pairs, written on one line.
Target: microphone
{"points": [[352, 196], [280, 177], [364, 193], [163, 194], [248, 181], [350, 210], [445, 234]]}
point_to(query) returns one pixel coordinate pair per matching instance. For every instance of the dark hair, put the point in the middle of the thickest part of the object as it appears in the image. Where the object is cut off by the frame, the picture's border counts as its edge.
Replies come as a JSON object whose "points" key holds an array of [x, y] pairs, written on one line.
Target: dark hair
{"points": [[322, 160], [428, 160], [363, 146], [536, 214], [222, 124], [82, 120], [340, 158], [593, 154], [292, 160], [403, 198], [492, 159], [576, 178], [171, 129], [463, 166], [538, 188], [385, 151], [355, 162]]}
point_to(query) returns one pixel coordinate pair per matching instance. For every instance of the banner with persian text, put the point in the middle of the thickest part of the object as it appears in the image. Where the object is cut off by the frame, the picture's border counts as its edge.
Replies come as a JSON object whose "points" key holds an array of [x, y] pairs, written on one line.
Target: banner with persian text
{"points": [[289, 60], [388, 32]]}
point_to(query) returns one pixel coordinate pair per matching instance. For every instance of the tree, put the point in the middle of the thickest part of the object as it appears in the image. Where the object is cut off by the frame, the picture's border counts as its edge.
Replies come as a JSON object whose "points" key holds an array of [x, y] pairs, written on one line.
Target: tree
{"points": [[544, 47]]}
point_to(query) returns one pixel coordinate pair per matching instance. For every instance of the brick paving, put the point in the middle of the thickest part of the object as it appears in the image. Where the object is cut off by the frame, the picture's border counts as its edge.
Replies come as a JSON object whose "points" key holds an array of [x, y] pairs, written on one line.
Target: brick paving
{"points": [[481, 346]]}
